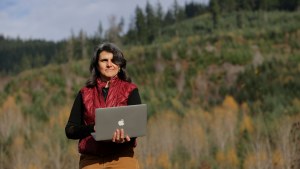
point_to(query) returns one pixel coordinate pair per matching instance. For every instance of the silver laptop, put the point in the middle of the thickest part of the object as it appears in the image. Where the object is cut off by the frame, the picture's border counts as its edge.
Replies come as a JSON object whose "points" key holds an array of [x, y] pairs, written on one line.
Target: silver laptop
{"points": [[131, 118]]}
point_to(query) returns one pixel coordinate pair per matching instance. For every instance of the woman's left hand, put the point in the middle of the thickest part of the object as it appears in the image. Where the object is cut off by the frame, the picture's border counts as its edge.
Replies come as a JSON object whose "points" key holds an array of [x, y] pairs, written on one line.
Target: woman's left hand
{"points": [[119, 136]]}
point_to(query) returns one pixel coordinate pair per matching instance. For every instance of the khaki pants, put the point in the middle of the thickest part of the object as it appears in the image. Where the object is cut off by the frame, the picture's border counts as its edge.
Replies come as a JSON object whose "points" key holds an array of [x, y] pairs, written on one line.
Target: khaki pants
{"points": [[108, 162]]}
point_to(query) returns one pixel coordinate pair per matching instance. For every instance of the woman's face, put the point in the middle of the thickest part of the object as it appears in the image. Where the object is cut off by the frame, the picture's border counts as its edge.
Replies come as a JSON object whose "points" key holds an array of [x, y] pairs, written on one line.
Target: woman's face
{"points": [[106, 67]]}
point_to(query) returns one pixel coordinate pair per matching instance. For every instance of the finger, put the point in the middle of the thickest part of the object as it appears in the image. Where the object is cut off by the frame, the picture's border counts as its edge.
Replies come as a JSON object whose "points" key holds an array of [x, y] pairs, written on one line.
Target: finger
{"points": [[122, 133], [114, 137], [118, 135], [127, 138]]}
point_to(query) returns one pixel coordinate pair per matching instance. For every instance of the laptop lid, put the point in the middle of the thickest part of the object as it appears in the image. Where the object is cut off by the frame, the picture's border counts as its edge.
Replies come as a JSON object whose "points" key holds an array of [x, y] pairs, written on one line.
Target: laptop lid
{"points": [[131, 118]]}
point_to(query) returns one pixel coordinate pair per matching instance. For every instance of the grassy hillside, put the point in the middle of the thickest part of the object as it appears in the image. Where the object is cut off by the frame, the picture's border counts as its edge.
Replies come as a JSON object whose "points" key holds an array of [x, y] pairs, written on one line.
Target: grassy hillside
{"points": [[218, 98]]}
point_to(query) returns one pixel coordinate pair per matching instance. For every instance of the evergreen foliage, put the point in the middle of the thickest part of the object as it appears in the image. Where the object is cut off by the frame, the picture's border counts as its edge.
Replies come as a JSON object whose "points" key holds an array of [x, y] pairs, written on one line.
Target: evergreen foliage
{"points": [[221, 94]]}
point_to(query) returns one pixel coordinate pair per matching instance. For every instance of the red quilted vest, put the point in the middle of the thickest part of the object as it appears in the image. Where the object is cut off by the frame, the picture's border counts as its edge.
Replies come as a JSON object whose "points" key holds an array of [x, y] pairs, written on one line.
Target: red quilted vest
{"points": [[118, 93]]}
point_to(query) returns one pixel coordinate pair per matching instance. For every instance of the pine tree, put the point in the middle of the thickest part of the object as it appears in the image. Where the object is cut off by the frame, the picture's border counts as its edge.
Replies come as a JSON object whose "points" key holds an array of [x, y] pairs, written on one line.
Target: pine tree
{"points": [[99, 33], [159, 18], [140, 25], [150, 22], [215, 12]]}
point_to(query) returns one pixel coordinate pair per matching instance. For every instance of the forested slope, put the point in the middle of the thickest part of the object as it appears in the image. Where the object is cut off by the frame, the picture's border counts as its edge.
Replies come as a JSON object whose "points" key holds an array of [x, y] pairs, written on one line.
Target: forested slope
{"points": [[218, 98]]}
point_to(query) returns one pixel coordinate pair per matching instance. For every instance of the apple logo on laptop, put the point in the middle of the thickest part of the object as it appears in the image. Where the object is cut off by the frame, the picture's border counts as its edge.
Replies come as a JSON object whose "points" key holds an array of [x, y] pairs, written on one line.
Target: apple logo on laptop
{"points": [[121, 122]]}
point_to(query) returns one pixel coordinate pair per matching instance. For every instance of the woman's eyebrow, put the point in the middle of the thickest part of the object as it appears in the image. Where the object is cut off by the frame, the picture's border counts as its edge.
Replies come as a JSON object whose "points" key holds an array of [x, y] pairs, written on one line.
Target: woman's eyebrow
{"points": [[104, 59]]}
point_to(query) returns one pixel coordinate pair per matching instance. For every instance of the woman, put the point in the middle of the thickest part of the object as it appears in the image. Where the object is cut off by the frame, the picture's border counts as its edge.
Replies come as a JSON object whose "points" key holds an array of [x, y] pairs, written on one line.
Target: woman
{"points": [[108, 86]]}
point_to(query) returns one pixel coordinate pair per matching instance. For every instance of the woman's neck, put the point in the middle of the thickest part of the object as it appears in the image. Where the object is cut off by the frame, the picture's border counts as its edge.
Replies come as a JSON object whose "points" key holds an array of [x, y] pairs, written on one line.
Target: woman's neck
{"points": [[107, 84], [107, 79]]}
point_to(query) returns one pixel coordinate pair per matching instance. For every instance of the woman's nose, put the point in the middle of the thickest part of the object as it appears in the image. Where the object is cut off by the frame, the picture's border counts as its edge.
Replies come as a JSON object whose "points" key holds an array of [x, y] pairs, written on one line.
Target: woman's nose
{"points": [[109, 63]]}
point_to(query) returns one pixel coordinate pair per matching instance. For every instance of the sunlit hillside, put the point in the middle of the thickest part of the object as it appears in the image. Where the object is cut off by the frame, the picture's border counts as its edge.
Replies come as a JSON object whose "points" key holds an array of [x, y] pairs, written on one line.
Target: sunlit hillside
{"points": [[222, 98]]}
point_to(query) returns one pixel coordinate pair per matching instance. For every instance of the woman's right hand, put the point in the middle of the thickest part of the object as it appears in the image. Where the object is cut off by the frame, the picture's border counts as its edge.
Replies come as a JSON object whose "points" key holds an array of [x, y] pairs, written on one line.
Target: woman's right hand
{"points": [[119, 136]]}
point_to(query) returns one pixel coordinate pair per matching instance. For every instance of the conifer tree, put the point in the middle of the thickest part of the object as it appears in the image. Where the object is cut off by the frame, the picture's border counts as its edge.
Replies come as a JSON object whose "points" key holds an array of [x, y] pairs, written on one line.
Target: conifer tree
{"points": [[215, 12], [99, 33], [150, 22], [140, 25], [159, 18]]}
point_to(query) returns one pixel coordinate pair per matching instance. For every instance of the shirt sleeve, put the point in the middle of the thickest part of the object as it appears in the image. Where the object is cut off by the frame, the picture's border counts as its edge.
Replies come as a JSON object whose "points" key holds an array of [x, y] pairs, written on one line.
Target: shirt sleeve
{"points": [[134, 97], [75, 128]]}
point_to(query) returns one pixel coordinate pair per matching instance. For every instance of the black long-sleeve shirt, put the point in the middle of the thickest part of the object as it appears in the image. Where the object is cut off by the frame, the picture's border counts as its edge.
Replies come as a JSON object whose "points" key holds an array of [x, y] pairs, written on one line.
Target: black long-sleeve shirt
{"points": [[76, 129]]}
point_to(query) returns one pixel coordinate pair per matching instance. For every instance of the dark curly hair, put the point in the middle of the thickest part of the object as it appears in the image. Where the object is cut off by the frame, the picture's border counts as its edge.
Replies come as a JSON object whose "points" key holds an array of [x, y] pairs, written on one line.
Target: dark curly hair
{"points": [[118, 59]]}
